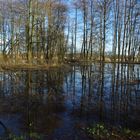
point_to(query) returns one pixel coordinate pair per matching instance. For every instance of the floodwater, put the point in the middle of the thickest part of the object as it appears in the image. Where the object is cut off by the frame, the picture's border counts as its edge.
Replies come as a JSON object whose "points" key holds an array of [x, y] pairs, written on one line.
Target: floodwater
{"points": [[58, 103]]}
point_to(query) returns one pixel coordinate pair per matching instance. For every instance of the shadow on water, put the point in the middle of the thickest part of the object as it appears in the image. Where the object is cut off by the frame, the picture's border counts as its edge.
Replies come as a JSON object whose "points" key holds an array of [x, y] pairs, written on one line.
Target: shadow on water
{"points": [[56, 103]]}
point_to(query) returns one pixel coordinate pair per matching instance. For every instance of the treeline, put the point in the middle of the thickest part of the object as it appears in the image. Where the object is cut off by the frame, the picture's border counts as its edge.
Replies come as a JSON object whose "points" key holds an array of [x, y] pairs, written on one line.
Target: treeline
{"points": [[47, 30]]}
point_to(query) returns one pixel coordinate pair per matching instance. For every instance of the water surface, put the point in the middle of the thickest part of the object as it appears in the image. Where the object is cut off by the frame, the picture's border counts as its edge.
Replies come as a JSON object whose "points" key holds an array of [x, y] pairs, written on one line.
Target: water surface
{"points": [[58, 103]]}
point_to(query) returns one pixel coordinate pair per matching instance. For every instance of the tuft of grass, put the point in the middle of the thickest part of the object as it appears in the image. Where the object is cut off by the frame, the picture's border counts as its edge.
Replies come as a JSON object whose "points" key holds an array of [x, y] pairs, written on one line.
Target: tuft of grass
{"points": [[98, 131]]}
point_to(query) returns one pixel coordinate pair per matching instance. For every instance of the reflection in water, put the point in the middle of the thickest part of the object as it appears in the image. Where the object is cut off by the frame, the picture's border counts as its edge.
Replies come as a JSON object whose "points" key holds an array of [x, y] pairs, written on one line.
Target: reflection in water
{"points": [[54, 103]]}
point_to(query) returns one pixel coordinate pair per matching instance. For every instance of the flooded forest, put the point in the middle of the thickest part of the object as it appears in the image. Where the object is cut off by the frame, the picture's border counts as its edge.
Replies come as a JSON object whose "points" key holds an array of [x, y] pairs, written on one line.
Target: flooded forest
{"points": [[69, 69]]}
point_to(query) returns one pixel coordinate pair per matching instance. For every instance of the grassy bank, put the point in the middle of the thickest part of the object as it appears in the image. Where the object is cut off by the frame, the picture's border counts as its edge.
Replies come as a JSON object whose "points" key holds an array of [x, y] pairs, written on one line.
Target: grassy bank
{"points": [[103, 132], [10, 64]]}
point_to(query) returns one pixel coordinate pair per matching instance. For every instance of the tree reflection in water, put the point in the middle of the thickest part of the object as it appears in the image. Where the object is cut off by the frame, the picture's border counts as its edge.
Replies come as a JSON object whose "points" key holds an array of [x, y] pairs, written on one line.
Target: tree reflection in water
{"points": [[55, 101]]}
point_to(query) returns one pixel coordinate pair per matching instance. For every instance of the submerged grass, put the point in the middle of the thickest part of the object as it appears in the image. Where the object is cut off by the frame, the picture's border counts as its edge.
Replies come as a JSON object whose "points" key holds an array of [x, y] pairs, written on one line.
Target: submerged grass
{"points": [[30, 136]]}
